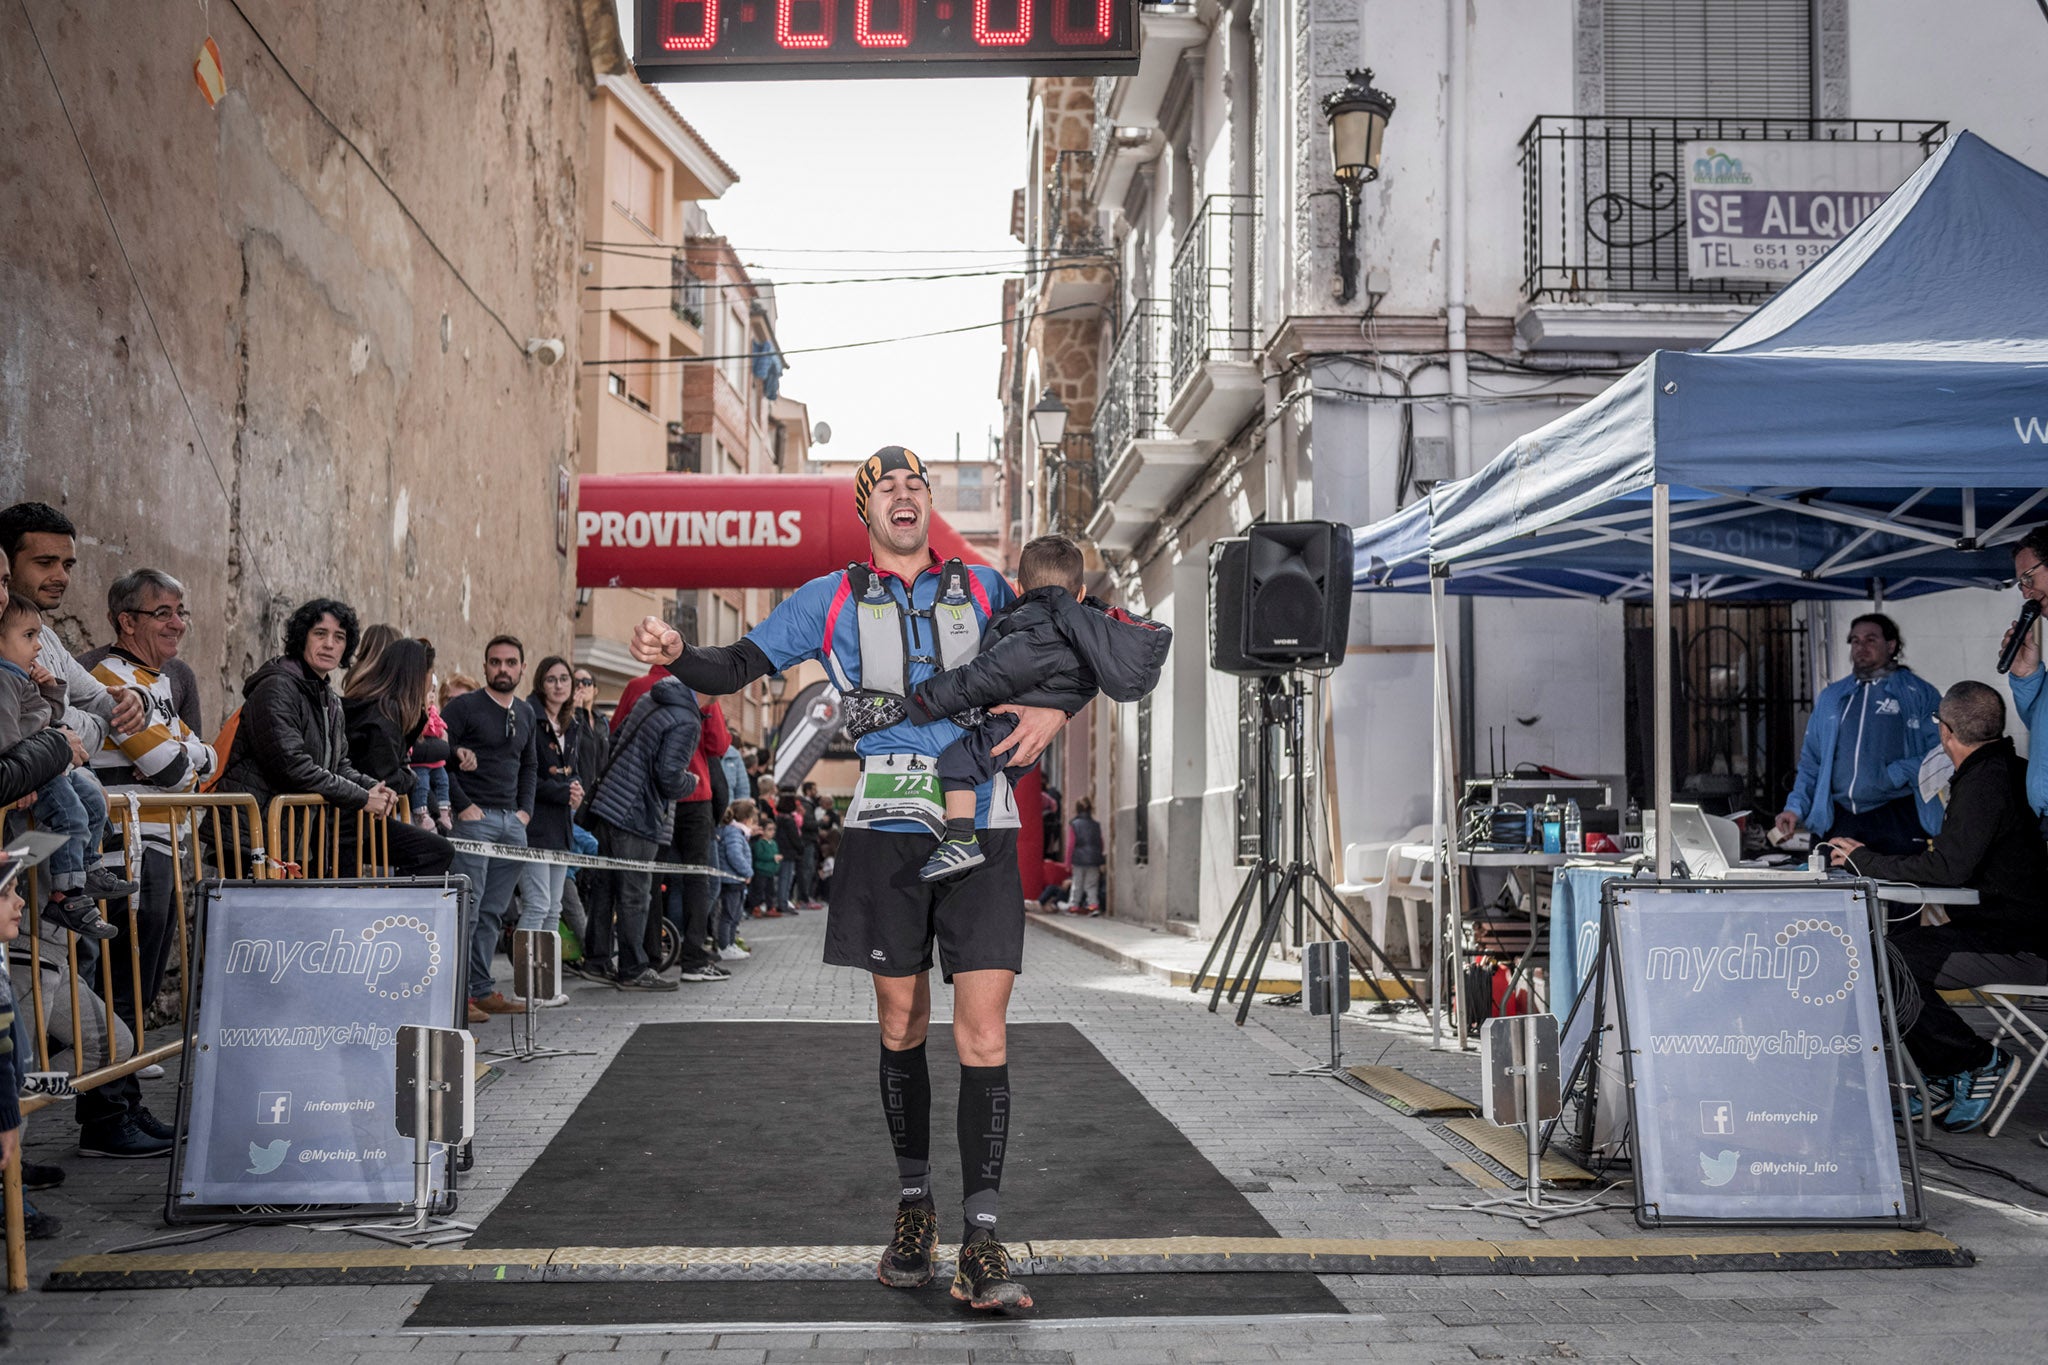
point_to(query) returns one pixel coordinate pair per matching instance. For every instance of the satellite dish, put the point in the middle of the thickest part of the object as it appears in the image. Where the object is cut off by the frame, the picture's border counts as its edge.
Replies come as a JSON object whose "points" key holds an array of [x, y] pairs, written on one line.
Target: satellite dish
{"points": [[821, 434]]}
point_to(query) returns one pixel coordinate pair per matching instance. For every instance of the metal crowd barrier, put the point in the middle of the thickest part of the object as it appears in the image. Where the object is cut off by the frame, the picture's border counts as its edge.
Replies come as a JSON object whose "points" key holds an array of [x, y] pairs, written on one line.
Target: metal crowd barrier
{"points": [[225, 836], [204, 836], [305, 834]]}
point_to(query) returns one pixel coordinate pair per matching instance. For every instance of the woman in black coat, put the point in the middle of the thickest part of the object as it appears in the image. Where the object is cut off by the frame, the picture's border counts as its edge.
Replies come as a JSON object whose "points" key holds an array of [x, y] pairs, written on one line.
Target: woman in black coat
{"points": [[384, 709], [292, 737], [558, 789]]}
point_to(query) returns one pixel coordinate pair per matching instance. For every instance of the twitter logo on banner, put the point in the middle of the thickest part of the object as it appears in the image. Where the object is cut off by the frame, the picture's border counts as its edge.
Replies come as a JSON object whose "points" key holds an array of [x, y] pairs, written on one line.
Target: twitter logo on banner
{"points": [[1714, 1170], [263, 1160]]}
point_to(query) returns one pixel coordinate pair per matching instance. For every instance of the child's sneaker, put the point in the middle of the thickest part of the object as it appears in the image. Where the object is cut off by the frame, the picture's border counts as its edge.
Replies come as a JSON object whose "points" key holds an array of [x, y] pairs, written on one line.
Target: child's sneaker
{"points": [[102, 885], [79, 915], [54, 1084], [951, 858]]}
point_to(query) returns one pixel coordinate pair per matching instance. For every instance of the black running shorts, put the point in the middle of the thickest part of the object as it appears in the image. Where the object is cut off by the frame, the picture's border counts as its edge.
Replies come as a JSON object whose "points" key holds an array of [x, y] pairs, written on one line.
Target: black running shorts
{"points": [[882, 918]]}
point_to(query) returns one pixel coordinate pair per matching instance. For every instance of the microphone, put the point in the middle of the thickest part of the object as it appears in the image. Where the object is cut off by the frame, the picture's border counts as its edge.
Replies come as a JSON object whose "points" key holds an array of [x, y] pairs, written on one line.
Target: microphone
{"points": [[2030, 612]]}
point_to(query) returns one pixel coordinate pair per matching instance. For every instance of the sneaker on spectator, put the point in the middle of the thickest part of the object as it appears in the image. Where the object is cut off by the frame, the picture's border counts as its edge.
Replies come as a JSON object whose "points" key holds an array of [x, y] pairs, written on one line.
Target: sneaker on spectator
{"points": [[477, 1015], [154, 1126], [645, 981], [1973, 1091], [152, 1072], [37, 1176], [39, 1226], [734, 953], [122, 1140], [102, 884], [79, 915], [741, 944], [497, 1002], [1938, 1094], [55, 1084], [710, 971]]}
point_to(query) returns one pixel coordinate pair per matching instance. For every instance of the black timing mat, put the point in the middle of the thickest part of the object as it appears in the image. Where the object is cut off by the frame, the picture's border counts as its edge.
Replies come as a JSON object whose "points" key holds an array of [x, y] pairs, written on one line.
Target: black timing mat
{"points": [[771, 1134]]}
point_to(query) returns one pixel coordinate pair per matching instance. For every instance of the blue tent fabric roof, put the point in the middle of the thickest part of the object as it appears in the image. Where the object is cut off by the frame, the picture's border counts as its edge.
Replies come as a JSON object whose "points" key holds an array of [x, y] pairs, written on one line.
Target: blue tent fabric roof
{"points": [[1883, 419]]}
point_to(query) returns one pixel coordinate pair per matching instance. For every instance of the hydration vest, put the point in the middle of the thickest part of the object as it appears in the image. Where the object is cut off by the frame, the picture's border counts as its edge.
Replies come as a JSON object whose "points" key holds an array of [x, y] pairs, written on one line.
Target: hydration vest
{"points": [[886, 648]]}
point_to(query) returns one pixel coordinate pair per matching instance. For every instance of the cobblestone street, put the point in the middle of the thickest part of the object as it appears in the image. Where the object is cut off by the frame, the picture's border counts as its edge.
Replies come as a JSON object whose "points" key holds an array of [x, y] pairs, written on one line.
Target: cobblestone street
{"points": [[1316, 1157]]}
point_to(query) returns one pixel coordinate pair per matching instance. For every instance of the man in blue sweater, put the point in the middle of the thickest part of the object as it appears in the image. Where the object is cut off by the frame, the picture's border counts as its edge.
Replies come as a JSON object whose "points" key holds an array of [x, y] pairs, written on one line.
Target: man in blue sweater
{"points": [[1859, 768], [2029, 696]]}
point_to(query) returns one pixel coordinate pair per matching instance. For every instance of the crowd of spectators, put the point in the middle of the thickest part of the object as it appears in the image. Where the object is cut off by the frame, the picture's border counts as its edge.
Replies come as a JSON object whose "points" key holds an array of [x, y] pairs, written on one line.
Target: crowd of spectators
{"points": [[360, 717]]}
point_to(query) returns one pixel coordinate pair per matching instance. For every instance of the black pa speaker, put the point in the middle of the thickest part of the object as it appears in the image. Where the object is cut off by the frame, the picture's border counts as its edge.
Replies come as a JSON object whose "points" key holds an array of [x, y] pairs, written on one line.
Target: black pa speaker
{"points": [[1280, 598], [1228, 560]]}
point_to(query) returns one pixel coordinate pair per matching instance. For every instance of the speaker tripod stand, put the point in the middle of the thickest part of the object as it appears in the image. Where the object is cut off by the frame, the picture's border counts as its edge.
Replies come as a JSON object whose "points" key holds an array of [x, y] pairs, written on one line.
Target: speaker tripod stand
{"points": [[1292, 890]]}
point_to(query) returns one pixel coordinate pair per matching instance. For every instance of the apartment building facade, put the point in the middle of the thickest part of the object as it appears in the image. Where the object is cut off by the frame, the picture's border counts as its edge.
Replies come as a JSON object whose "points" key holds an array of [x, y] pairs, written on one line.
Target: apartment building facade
{"points": [[1521, 246], [691, 382]]}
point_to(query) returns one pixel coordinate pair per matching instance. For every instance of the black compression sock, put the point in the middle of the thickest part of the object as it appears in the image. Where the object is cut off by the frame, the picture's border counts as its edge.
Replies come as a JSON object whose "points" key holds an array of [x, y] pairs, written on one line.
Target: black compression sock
{"points": [[984, 1133], [960, 830], [907, 1104]]}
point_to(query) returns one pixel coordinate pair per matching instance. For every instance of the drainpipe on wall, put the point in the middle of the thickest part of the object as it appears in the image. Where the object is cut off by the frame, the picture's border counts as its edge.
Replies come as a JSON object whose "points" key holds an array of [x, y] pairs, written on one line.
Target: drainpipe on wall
{"points": [[1454, 324]]}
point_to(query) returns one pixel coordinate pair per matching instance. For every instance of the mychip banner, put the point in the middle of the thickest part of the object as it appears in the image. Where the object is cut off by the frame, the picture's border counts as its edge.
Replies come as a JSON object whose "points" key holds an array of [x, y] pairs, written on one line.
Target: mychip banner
{"points": [[290, 1072], [1766, 211], [1754, 1028]]}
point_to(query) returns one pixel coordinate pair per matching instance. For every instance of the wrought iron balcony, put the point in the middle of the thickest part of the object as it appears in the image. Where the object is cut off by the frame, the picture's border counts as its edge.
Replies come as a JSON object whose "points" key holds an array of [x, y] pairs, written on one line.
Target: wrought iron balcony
{"points": [[1073, 485], [1603, 218], [1133, 404], [1212, 286]]}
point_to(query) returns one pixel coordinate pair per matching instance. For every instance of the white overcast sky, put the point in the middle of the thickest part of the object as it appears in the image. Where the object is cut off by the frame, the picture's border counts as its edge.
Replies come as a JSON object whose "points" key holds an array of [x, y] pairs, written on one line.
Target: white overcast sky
{"points": [[829, 172]]}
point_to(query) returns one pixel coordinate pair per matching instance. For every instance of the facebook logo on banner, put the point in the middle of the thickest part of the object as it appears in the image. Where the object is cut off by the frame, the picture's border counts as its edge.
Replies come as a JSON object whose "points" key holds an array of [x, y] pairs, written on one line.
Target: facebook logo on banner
{"points": [[274, 1106], [1717, 1117]]}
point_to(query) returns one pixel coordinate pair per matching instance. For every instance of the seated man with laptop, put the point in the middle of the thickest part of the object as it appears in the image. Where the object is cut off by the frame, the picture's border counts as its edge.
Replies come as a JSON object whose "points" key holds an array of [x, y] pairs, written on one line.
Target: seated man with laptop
{"points": [[1990, 842]]}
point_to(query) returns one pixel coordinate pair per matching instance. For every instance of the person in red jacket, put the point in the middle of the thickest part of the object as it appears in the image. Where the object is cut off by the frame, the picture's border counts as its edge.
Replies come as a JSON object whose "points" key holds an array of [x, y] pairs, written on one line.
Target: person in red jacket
{"points": [[687, 900]]}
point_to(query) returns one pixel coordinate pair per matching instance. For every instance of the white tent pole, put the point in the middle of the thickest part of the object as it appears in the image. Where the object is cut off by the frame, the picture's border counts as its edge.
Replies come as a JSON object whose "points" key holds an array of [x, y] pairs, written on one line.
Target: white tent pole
{"points": [[1660, 577], [1437, 975]]}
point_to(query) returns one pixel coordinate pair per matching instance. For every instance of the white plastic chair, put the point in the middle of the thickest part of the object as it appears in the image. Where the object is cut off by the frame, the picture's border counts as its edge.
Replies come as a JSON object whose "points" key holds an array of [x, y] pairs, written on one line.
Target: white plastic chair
{"points": [[2019, 1033], [1381, 872]]}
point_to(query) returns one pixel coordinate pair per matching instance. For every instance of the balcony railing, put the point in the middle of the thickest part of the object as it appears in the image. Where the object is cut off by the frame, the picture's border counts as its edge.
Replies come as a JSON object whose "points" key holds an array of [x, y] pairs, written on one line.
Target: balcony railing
{"points": [[685, 292], [1603, 217], [1212, 286], [1133, 406], [1073, 485], [1070, 227]]}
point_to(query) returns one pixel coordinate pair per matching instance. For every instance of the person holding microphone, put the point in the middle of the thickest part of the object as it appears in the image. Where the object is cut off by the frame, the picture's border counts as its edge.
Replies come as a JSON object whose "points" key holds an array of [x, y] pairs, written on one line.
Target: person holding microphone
{"points": [[2020, 652]]}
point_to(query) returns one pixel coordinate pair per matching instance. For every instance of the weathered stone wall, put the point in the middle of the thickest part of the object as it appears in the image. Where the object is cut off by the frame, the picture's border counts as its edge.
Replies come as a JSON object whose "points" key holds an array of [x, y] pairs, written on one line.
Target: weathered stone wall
{"points": [[339, 266]]}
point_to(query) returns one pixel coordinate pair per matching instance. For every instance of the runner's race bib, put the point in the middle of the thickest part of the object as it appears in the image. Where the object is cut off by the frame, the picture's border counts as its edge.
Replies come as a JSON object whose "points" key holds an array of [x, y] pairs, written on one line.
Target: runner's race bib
{"points": [[898, 787]]}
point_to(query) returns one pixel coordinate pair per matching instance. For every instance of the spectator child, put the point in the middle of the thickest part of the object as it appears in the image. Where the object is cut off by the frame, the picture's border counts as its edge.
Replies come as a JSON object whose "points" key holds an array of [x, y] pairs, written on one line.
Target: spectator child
{"points": [[71, 803], [761, 894], [1052, 647], [736, 856], [429, 763]]}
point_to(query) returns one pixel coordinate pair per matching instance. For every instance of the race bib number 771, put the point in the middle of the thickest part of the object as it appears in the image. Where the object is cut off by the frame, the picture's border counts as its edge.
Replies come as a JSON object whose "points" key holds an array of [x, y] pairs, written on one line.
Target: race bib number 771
{"points": [[898, 787]]}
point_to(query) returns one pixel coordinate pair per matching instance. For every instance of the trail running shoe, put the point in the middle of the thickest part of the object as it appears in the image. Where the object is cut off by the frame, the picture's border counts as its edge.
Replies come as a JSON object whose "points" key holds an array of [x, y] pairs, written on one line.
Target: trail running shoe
{"points": [[908, 1263], [1972, 1093], [951, 858], [982, 1279]]}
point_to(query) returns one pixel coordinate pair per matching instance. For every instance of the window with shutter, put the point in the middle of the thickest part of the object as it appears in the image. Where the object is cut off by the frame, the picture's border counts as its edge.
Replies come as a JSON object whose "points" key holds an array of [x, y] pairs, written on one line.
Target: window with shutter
{"points": [[1698, 58]]}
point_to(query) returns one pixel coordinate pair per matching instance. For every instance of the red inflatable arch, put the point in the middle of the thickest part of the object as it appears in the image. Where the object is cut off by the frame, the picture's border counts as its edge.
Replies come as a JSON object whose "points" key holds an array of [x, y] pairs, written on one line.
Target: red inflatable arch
{"points": [[683, 531]]}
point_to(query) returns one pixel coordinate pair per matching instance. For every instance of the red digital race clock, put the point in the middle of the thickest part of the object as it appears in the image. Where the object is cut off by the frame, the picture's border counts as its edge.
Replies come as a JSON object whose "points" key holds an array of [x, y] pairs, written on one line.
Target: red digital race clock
{"points": [[677, 40]]}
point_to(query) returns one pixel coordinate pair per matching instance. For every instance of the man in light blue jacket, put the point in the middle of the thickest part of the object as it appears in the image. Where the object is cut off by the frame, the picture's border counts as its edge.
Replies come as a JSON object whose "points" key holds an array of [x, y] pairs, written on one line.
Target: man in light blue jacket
{"points": [[2029, 695], [1860, 765]]}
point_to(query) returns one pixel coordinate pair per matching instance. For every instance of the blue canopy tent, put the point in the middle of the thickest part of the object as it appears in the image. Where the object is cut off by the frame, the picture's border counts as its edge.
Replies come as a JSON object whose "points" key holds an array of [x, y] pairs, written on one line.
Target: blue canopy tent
{"points": [[1879, 428]]}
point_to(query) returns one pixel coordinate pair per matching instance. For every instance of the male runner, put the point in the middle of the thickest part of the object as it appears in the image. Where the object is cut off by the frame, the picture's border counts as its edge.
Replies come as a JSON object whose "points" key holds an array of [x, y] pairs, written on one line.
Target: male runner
{"points": [[882, 917]]}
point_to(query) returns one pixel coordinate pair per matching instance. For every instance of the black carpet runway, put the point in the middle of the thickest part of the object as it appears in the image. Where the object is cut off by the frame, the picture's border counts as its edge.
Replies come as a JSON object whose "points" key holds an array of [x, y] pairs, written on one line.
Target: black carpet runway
{"points": [[771, 1134]]}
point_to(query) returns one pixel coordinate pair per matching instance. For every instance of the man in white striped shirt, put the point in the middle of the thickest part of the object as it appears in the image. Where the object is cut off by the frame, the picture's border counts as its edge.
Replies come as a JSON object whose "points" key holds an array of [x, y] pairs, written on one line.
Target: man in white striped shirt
{"points": [[147, 608]]}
